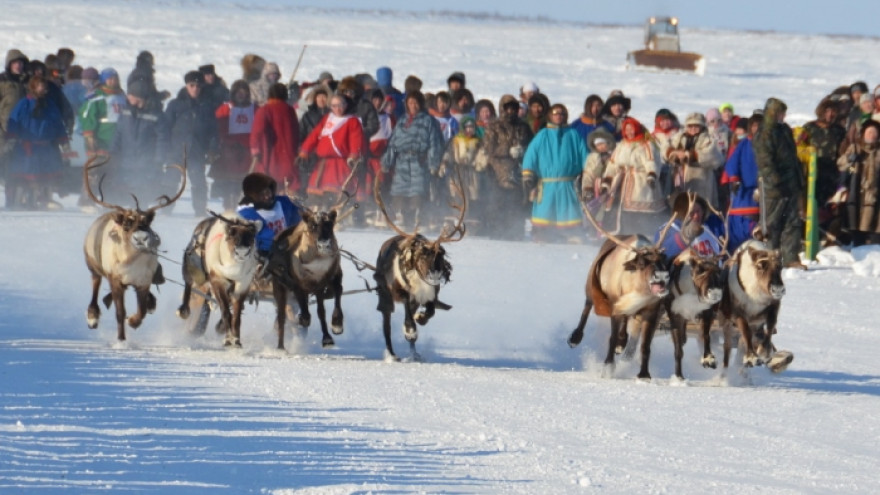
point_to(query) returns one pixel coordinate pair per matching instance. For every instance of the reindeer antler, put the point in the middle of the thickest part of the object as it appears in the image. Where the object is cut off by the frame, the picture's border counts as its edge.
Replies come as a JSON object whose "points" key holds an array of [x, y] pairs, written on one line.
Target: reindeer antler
{"points": [[164, 200], [604, 232], [692, 199], [89, 165], [378, 197], [459, 227]]}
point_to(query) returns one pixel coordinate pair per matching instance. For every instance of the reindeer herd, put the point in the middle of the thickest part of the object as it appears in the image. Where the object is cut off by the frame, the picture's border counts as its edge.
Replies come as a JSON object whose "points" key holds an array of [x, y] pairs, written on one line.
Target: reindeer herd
{"points": [[630, 281]]}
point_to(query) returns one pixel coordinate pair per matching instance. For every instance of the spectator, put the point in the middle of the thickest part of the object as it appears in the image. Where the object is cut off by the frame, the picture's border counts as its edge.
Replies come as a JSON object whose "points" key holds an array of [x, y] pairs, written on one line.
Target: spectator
{"points": [[275, 140], [235, 121], [695, 157], [214, 89], [260, 89]]}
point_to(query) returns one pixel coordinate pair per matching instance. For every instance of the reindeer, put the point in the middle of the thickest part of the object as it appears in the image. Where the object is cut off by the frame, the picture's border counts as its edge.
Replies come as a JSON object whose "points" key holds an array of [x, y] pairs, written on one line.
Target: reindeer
{"points": [[122, 247], [314, 268], [751, 301], [410, 269], [628, 278], [221, 259], [696, 289]]}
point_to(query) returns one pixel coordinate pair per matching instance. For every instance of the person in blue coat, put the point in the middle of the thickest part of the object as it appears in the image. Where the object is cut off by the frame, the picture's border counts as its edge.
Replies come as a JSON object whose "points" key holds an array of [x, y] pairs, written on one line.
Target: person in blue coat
{"points": [[741, 174], [552, 163], [262, 202], [37, 126]]}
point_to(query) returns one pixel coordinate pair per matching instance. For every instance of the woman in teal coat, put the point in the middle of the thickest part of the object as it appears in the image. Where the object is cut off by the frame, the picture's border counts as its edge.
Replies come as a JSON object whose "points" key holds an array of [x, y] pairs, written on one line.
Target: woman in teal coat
{"points": [[552, 163]]}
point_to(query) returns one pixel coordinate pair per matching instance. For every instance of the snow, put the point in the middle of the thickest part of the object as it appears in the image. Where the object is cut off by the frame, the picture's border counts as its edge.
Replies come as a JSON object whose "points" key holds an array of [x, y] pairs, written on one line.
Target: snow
{"points": [[499, 404]]}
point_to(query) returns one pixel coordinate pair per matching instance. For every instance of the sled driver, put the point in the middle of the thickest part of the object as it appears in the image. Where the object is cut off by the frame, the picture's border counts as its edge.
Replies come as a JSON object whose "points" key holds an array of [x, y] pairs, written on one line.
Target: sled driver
{"points": [[700, 230], [276, 211]]}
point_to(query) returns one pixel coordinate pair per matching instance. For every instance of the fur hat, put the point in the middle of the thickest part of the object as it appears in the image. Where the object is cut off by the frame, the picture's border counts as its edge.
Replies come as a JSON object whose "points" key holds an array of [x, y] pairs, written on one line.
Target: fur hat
{"points": [[614, 100], [138, 88], [860, 86], [317, 89], [412, 84], [193, 76], [505, 100], [365, 80], [713, 114], [456, 76], [349, 83], [255, 183], [696, 118], [207, 69], [252, 67], [145, 59], [603, 134]]}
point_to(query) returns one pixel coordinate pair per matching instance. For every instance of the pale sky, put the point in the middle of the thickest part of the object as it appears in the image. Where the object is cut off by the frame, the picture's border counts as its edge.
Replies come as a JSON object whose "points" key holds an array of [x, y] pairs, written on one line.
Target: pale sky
{"points": [[852, 17]]}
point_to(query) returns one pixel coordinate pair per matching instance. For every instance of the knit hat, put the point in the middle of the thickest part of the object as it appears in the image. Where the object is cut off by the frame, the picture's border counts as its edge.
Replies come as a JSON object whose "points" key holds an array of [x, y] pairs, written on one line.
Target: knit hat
{"points": [[325, 76], [90, 74], [865, 97], [467, 120], [193, 76], [138, 88], [696, 118], [860, 86], [456, 76], [529, 87], [725, 106], [107, 74], [712, 114]]}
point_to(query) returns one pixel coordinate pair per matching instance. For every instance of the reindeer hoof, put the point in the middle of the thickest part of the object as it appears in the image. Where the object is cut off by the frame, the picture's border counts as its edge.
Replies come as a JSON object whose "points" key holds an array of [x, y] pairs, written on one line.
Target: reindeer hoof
{"points": [[327, 342], [182, 312], [411, 334], [645, 377], [575, 339], [151, 303], [92, 316], [135, 321], [780, 361], [421, 318], [336, 324], [751, 360], [303, 320], [709, 362], [232, 343], [619, 349]]}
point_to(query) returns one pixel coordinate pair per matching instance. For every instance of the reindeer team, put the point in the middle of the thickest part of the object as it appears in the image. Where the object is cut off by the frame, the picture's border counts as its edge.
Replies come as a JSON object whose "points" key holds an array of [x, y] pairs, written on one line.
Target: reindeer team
{"points": [[630, 281]]}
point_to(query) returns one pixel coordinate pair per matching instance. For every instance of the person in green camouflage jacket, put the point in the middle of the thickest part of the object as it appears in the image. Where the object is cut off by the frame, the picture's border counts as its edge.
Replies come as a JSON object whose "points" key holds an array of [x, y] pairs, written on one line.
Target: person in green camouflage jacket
{"points": [[825, 134], [100, 113], [783, 178]]}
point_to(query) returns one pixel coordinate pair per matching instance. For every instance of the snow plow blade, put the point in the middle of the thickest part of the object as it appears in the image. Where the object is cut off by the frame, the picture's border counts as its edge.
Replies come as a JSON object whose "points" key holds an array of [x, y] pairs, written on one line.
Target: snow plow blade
{"points": [[684, 61]]}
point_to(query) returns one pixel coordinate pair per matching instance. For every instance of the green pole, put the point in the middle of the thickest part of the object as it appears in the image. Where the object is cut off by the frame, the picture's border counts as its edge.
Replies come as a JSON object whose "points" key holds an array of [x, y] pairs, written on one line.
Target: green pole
{"points": [[811, 241]]}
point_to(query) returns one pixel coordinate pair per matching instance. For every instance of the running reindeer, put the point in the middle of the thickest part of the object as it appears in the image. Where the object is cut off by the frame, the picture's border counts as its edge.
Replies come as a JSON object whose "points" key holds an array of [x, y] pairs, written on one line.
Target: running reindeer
{"points": [[628, 278], [221, 260], [306, 258], [410, 269], [697, 283], [121, 246]]}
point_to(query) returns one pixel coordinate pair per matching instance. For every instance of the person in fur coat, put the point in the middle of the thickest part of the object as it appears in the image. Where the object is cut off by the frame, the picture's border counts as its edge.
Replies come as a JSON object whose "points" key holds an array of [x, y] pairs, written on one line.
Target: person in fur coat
{"points": [[275, 140], [861, 164], [632, 175], [695, 156], [460, 154]]}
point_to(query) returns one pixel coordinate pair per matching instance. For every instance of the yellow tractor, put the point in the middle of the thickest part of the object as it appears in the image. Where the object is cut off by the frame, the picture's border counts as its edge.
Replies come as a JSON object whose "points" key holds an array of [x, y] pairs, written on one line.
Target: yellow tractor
{"points": [[663, 49]]}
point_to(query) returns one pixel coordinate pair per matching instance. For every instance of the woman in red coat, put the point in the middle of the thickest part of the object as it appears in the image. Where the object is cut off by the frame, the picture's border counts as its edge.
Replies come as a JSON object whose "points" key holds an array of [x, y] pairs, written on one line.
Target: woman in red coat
{"points": [[275, 138], [338, 142]]}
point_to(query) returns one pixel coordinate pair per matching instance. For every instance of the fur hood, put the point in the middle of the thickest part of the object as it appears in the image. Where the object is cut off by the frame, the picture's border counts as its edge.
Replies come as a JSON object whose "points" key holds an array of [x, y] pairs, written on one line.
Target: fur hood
{"points": [[13, 55], [349, 83], [252, 67], [772, 109], [315, 90], [604, 134]]}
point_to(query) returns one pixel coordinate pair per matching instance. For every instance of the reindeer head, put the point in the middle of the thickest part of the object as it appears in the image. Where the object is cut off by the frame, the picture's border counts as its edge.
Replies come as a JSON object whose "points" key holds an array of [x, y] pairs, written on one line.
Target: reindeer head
{"points": [[418, 254], [132, 223], [768, 270], [319, 228], [708, 277], [651, 261], [241, 236]]}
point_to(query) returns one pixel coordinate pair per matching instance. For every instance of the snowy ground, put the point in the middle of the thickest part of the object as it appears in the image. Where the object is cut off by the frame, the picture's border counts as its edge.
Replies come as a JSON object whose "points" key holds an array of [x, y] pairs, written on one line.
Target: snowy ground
{"points": [[501, 404]]}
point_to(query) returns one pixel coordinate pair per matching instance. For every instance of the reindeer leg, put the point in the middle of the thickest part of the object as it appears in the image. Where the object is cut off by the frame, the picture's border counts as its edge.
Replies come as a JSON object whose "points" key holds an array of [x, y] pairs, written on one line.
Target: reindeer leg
{"points": [[729, 336], [336, 320], [679, 333], [616, 322], [326, 338], [223, 302], [578, 334], [280, 293], [708, 360], [750, 358], [649, 326], [118, 292], [410, 332], [304, 318], [143, 296], [237, 305], [386, 306], [183, 309], [423, 316], [93, 313]]}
